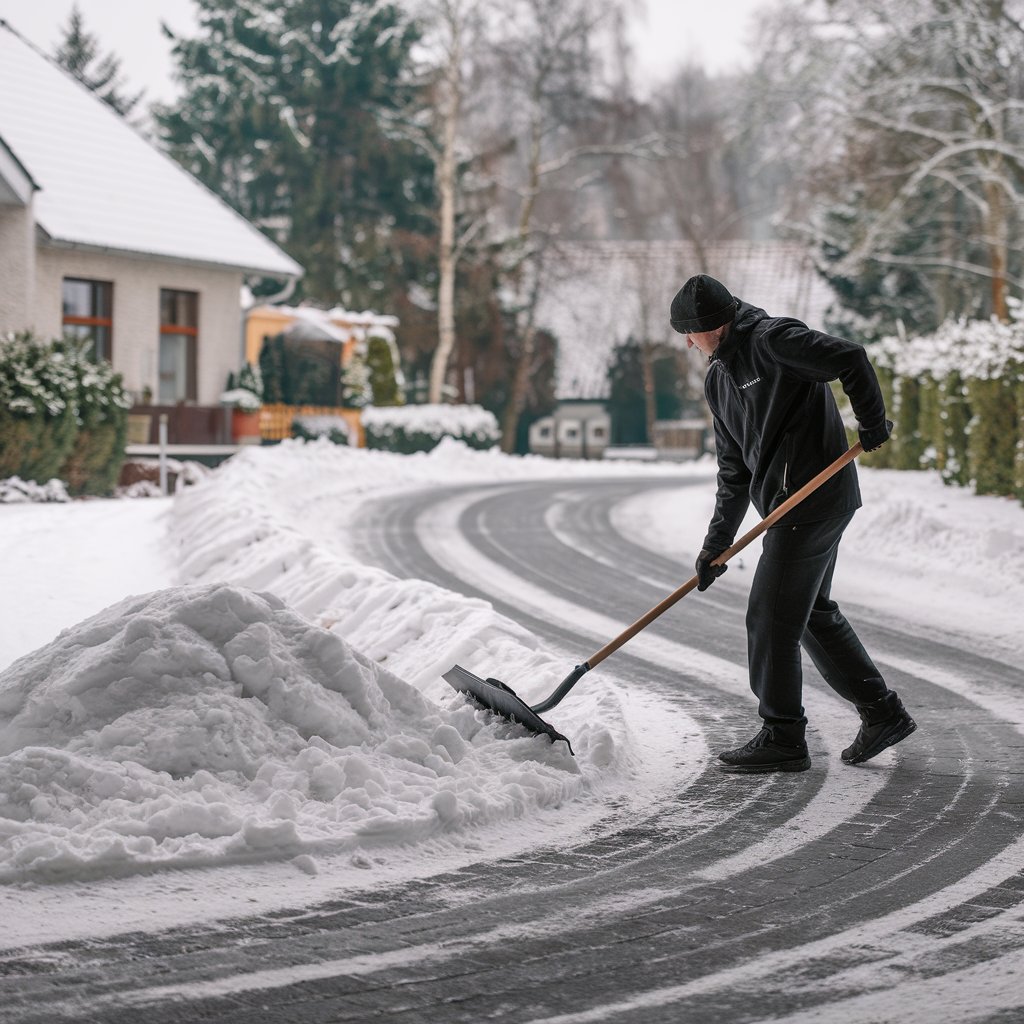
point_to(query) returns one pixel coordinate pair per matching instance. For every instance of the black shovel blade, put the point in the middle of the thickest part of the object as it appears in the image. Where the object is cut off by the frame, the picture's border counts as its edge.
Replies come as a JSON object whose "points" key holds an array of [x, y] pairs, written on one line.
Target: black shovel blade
{"points": [[494, 695]]}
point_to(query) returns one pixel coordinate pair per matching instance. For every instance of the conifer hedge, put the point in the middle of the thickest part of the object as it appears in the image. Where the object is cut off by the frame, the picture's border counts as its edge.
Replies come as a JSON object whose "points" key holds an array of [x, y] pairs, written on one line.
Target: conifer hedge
{"points": [[956, 398]]}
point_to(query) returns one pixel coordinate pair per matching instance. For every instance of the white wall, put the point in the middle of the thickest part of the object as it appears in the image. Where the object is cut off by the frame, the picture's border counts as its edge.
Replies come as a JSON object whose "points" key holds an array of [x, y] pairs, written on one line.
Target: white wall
{"points": [[136, 312], [17, 267]]}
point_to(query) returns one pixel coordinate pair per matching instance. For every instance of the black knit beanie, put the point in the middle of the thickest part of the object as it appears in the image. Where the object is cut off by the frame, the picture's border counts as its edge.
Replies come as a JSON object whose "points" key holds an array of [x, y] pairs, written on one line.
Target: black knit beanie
{"points": [[702, 304]]}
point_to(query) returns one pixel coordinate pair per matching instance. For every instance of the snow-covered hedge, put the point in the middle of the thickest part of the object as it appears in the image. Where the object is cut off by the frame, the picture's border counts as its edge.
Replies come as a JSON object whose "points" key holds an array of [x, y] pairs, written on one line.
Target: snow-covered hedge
{"points": [[419, 428], [61, 414], [957, 399], [334, 428]]}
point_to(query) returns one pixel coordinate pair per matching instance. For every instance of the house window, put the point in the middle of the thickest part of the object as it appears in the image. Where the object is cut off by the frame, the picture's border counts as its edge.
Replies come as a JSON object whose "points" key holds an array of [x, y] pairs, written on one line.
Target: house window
{"points": [[88, 314], [179, 336]]}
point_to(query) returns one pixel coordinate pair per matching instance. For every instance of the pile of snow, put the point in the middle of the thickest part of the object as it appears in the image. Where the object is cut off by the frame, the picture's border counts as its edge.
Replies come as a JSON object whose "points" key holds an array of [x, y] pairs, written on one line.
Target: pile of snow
{"points": [[15, 491], [208, 725], [286, 702]]}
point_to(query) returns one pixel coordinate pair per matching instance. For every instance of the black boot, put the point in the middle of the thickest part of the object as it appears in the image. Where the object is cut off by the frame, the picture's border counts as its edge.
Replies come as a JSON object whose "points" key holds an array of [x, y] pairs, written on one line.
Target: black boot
{"points": [[883, 723], [764, 753]]}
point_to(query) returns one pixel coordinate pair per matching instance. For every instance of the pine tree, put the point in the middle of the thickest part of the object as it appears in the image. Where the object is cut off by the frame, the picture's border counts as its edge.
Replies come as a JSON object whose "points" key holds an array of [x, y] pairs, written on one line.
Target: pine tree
{"points": [[356, 390], [285, 112], [78, 53]]}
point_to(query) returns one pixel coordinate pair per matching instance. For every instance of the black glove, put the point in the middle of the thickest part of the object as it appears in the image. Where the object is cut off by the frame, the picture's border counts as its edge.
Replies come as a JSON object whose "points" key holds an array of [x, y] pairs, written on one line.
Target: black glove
{"points": [[874, 437], [706, 572]]}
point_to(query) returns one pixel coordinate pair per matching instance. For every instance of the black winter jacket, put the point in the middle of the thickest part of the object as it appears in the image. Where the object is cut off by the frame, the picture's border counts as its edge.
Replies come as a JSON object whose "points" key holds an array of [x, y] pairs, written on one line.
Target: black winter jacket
{"points": [[776, 421]]}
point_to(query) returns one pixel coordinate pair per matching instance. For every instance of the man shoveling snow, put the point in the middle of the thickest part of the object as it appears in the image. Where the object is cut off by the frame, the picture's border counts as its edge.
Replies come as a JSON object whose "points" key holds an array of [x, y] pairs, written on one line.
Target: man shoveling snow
{"points": [[776, 425]]}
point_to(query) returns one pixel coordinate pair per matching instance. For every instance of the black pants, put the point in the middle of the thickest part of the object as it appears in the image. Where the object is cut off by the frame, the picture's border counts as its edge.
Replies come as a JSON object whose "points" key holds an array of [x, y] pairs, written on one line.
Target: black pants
{"points": [[790, 608]]}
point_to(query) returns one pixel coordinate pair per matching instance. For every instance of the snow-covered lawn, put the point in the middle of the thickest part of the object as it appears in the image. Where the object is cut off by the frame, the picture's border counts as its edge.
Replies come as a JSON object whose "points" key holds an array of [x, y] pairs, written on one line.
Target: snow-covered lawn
{"points": [[276, 710]]}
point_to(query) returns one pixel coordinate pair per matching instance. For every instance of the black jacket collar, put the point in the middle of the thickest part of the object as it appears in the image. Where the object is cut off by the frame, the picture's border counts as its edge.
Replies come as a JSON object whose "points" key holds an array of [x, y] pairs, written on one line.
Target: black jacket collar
{"points": [[747, 317]]}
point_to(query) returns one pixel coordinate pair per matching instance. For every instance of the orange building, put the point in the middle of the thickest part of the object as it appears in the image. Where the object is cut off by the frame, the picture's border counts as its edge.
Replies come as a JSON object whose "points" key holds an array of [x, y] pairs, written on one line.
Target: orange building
{"points": [[307, 323]]}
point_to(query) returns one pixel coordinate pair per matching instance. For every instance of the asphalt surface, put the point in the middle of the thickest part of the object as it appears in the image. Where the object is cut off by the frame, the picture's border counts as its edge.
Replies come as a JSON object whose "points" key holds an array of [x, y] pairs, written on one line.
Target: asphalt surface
{"points": [[908, 906]]}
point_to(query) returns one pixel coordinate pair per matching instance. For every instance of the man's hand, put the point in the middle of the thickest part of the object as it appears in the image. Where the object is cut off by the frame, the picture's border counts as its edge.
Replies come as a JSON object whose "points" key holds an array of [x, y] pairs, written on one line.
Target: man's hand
{"points": [[874, 437], [706, 572]]}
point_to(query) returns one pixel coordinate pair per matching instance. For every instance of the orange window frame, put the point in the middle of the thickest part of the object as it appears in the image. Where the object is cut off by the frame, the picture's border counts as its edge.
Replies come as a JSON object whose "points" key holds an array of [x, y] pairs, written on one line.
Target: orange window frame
{"points": [[94, 321]]}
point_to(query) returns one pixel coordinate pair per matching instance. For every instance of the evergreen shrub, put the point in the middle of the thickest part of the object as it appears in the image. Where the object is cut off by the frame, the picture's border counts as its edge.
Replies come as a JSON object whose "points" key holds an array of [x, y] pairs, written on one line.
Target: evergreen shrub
{"points": [[1018, 461], [61, 414], [94, 463], [38, 410], [928, 422], [380, 364], [993, 435], [954, 424], [908, 444]]}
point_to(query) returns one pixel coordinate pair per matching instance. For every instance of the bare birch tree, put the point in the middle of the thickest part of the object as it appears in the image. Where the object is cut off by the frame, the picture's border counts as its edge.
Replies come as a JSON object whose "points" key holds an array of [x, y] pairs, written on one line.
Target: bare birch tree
{"points": [[550, 79], [907, 121], [454, 40]]}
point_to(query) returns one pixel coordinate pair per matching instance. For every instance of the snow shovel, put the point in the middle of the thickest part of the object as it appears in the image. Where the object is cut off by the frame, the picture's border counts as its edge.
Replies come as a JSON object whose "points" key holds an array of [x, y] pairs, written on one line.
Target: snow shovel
{"points": [[496, 696]]}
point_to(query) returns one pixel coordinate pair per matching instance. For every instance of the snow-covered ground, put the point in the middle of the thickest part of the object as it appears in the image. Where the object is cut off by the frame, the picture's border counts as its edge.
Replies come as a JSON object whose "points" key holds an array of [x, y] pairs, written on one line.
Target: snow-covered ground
{"points": [[275, 709], [919, 551]]}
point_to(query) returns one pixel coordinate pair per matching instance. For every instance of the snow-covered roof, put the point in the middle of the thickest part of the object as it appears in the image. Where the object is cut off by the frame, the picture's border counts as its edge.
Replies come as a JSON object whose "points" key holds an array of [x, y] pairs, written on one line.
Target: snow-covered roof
{"points": [[16, 184], [101, 185], [337, 324], [603, 293]]}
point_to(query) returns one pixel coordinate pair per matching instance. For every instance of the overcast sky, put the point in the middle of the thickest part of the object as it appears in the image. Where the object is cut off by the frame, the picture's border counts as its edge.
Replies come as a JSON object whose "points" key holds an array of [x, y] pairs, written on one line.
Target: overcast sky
{"points": [[712, 32]]}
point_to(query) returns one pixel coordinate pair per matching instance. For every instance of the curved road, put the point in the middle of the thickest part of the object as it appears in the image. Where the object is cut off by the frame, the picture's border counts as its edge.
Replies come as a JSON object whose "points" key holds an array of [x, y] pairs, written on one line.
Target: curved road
{"points": [[889, 892]]}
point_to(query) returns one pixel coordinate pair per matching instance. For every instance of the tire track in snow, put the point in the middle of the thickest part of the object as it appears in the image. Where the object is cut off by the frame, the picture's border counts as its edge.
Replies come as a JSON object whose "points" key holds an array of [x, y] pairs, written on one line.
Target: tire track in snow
{"points": [[915, 894], [547, 567]]}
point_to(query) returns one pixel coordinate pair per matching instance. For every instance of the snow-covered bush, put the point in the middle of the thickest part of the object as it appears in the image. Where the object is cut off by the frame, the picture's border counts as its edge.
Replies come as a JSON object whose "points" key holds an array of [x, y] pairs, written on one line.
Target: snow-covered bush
{"points": [[956, 398], [241, 398], [334, 428], [245, 389], [16, 491], [38, 414], [419, 428], [61, 414]]}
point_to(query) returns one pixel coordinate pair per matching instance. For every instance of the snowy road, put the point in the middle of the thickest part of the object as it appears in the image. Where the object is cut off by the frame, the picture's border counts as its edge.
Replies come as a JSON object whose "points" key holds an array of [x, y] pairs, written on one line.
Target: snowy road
{"points": [[894, 891]]}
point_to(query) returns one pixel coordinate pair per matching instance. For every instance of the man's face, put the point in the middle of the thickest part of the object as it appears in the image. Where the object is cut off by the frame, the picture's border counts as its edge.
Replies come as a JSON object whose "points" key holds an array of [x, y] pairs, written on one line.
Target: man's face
{"points": [[706, 341]]}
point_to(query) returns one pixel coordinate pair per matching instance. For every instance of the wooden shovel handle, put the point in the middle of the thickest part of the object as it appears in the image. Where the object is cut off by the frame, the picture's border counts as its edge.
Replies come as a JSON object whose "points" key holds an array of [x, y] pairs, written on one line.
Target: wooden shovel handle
{"points": [[769, 520]]}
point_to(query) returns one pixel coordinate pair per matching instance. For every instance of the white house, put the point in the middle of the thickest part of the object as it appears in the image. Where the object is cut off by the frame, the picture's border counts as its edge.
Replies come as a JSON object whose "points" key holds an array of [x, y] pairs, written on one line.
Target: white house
{"points": [[105, 237]]}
